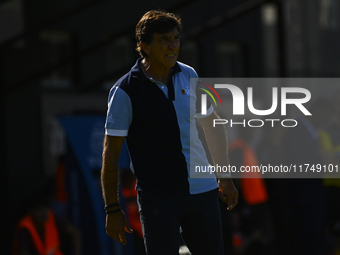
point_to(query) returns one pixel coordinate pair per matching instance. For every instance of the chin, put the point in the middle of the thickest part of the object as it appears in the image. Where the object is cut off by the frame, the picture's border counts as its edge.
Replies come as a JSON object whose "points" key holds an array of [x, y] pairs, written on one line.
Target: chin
{"points": [[171, 63]]}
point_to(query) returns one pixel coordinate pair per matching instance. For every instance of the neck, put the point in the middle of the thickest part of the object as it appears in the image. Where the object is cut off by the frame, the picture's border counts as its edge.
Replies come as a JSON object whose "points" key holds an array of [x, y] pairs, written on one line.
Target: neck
{"points": [[158, 73]]}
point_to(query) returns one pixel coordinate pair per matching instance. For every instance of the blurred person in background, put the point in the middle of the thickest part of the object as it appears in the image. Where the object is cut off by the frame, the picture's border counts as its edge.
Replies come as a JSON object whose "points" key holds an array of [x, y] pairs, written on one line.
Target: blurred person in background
{"points": [[271, 152], [254, 232], [40, 232], [129, 193], [150, 106]]}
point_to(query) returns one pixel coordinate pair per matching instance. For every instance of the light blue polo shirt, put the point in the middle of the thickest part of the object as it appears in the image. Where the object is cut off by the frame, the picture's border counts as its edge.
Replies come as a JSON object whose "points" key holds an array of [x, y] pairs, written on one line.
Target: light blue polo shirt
{"points": [[184, 99]]}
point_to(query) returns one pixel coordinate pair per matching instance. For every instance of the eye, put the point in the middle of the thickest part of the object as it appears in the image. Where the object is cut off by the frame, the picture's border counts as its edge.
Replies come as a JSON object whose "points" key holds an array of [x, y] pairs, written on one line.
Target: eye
{"points": [[164, 39]]}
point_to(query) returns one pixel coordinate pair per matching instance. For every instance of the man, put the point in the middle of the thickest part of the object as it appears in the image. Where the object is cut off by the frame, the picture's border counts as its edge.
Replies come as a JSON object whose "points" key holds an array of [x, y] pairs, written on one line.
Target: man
{"points": [[37, 233], [41, 232], [150, 107]]}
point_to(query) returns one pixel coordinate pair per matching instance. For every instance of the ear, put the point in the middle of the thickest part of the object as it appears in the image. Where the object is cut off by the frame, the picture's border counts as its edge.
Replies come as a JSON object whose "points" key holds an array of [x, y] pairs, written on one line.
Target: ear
{"points": [[145, 47]]}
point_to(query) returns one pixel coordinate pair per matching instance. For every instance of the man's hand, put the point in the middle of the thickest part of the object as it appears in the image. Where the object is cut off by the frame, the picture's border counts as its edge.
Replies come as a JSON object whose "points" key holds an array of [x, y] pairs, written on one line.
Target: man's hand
{"points": [[116, 225], [228, 192]]}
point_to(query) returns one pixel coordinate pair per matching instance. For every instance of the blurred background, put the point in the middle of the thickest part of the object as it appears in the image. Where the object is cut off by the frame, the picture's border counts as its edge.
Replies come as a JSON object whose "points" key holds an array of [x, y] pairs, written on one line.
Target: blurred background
{"points": [[58, 60]]}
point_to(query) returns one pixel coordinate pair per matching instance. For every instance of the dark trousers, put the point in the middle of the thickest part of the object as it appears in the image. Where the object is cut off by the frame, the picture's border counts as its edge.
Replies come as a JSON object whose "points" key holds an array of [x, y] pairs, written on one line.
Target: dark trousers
{"points": [[197, 217]]}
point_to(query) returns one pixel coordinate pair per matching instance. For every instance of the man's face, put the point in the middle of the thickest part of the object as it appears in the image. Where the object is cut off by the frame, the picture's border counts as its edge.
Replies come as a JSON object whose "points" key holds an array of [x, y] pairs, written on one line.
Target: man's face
{"points": [[164, 49], [40, 214]]}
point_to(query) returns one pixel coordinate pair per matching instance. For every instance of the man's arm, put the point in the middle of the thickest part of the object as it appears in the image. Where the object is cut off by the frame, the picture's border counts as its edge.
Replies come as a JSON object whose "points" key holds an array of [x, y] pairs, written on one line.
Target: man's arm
{"points": [[218, 146], [116, 223]]}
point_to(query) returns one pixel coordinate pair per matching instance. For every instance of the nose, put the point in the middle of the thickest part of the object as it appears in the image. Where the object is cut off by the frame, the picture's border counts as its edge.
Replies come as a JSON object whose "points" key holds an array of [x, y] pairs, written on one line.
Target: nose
{"points": [[174, 43]]}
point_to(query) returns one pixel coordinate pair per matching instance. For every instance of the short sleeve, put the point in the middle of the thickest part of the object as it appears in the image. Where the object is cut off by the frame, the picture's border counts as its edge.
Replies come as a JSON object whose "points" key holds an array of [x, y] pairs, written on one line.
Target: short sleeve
{"points": [[119, 113]]}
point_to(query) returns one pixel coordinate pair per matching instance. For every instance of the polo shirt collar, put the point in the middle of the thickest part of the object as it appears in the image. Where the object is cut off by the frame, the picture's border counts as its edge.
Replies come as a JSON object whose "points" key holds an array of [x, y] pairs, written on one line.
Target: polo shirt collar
{"points": [[138, 73]]}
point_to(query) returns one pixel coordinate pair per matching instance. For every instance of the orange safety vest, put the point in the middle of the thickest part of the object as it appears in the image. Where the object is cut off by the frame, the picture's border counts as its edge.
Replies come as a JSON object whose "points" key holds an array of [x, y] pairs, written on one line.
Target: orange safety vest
{"points": [[50, 245], [252, 185]]}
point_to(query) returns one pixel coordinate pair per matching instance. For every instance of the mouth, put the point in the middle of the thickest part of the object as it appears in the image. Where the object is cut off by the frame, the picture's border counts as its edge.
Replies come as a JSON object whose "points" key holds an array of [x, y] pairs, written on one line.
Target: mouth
{"points": [[171, 55]]}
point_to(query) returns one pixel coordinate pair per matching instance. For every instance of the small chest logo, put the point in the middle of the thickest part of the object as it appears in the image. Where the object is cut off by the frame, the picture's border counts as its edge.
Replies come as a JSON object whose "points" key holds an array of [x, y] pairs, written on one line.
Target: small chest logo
{"points": [[185, 91]]}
